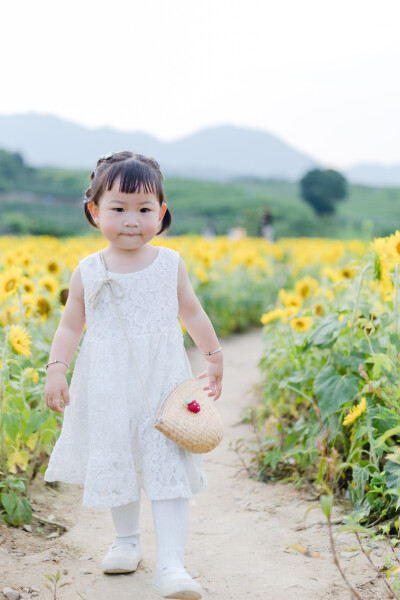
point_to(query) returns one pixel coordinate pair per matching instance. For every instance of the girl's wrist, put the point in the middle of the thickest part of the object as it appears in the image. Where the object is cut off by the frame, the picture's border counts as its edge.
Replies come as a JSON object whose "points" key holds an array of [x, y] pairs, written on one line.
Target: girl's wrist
{"points": [[214, 358], [57, 366], [212, 352]]}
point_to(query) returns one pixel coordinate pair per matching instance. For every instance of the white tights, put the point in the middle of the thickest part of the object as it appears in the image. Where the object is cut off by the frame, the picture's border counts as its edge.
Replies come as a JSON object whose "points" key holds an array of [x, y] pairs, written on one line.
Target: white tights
{"points": [[170, 519]]}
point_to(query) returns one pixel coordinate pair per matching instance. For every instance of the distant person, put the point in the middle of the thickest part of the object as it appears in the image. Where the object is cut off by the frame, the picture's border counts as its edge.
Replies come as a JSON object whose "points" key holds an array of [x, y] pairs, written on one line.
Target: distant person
{"points": [[108, 441], [237, 233], [266, 225], [209, 233]]}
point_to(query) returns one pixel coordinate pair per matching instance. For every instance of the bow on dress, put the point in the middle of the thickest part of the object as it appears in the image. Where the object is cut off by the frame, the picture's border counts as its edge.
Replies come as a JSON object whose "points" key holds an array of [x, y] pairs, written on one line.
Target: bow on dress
{"points": [[106, 282]]}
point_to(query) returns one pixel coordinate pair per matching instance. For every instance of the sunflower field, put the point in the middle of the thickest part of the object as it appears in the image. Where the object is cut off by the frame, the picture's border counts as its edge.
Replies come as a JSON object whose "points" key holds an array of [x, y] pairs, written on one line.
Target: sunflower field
{"points": [[232, 279], [330, 414], [329, 316]]}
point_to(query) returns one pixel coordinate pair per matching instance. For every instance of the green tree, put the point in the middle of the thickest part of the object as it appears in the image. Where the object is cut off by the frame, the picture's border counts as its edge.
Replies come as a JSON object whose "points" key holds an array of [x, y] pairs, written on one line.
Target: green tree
{"points": [[322, 189], [13, 170]]}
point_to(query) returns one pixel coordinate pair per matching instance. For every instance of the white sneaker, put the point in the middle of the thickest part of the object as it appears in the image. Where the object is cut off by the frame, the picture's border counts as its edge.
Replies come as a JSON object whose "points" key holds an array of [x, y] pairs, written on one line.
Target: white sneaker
{"points": [[123, 558], [176, 583]]}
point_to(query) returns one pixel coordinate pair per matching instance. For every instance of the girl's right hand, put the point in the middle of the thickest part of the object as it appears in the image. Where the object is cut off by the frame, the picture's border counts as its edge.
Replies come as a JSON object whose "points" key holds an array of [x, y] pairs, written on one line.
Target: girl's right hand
{"points": [[56, 385]]}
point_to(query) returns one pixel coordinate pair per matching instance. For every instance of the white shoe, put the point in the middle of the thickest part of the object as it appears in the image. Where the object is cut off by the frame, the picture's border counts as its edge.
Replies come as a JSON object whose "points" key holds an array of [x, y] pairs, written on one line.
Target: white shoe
{"points": [[176, 583], [123, 558]]}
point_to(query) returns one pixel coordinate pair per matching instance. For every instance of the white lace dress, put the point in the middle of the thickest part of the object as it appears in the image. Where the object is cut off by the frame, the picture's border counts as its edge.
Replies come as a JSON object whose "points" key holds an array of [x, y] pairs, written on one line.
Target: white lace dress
{"points": [[107, 441]]}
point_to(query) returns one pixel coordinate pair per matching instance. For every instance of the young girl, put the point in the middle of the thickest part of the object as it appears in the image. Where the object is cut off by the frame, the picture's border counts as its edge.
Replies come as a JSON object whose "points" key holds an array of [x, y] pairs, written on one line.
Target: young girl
{"points": [[107, 441]]}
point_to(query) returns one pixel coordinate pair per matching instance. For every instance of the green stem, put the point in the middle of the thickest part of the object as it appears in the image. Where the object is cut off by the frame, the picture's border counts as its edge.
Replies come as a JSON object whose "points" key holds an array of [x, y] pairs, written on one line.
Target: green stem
{"points": [[369, 344], [396, 299], [300, 393], [3, 452], [291, 354], [356, 304], [21, 309], [372, 453]]}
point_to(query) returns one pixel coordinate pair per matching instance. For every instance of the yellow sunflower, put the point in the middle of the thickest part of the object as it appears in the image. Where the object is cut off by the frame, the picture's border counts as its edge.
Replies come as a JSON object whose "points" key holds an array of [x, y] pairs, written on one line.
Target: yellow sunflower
{"points": [[42, 306], [290, 311], [290, 299], [355, 412], [20, 340], [271, 316], [201, 274], [26, 285], [305, 286], [6, 316], [394, 245], [53, 267], [301, 323], [9, 281], [50, 283], [348, 272], [27, 302], [318, 309], [32, 374]]}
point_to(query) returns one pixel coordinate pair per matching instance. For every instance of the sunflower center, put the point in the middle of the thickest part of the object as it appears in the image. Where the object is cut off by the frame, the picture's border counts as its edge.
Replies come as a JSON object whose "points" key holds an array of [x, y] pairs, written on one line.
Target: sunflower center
{"points": [[10, 285]]}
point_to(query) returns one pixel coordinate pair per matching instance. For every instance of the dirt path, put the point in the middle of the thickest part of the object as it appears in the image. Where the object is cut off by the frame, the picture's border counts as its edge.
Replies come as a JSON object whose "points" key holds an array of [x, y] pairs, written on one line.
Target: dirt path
{"points": [[239, 529]]}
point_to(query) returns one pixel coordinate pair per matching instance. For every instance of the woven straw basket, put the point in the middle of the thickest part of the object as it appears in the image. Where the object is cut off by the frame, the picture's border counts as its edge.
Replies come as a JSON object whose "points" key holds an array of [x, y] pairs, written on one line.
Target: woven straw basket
{"points": [[197, 432]]}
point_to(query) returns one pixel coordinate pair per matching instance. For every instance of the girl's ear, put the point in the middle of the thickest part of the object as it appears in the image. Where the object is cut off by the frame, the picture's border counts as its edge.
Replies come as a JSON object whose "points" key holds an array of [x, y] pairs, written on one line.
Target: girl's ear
{"points": [[163, 210], [94, 211]]}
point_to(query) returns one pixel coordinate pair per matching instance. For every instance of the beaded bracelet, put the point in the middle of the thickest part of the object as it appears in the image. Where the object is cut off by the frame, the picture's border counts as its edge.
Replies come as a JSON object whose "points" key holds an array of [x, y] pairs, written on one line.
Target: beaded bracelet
{"points": [[213, 352], [56, 361]]}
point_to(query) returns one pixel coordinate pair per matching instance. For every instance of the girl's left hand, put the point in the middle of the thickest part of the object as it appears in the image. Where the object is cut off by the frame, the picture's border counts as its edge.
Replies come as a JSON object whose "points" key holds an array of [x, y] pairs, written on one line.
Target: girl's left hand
{"points": [[214, 374]]}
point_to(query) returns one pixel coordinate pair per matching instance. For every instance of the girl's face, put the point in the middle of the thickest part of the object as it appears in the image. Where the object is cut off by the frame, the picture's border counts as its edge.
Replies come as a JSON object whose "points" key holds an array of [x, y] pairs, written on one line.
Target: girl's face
{"points": [[127, 220]]}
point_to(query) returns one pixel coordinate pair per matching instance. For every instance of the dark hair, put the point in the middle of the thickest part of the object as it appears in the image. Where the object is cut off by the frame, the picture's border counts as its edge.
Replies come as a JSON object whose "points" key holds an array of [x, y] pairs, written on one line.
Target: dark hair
{"points": [[136, 171]]}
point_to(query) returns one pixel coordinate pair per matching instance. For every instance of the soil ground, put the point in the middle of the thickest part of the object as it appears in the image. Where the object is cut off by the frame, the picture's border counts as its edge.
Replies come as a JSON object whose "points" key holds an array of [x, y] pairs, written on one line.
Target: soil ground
{"points": [[240, 530]]}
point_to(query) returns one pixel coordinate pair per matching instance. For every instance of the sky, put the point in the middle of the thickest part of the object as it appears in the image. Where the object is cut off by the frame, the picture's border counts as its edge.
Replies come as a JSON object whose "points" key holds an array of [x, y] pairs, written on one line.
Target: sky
{"points": [[323, 75]]}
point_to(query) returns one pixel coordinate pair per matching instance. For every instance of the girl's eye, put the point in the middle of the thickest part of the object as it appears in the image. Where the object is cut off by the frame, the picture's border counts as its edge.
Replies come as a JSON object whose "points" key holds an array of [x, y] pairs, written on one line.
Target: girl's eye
{"points": [[121, 209]]}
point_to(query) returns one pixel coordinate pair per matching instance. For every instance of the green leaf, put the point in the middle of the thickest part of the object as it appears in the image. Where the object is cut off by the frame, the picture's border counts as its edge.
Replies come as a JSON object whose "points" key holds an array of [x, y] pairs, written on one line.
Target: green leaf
{"points": [[360, 476], [273, 457], [294, 378], [333, 390], [378, 361], [36, 419], [18, 484], [356, 528], [326, 505], [9, 501], [18, 403], [351, 361], [382, 439], [392, 474], [327, 331], [25, 510], [12, 424], [49, 430]]}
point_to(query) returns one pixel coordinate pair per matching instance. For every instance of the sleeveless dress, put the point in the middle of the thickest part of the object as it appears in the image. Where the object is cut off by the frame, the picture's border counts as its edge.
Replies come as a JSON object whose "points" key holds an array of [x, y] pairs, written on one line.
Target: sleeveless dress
{"points": [[107, 441]]}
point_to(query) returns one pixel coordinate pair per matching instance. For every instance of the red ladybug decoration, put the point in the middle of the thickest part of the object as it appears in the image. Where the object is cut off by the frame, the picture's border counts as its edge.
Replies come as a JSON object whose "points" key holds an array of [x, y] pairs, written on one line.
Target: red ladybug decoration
{"points": [[192, 405]]}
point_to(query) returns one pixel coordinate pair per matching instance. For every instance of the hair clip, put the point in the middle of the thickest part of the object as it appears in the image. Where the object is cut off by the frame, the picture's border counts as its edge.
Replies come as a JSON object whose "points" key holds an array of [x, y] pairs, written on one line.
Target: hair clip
{"points": [[106, 156]]}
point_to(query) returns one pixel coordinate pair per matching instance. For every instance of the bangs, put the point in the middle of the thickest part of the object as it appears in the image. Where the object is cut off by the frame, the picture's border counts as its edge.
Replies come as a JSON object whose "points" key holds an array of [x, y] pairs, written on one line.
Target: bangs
{"points": [[135, 177]]}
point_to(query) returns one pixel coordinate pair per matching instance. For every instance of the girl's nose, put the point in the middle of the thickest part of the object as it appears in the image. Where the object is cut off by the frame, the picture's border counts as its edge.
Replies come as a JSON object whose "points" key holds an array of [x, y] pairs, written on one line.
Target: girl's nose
{"points": [[131, 220]]}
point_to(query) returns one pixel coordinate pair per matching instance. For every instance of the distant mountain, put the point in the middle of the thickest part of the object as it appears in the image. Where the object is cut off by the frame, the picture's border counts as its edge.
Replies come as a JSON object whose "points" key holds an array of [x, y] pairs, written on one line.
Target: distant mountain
{"points": [[218, 153], [374, 175]]}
